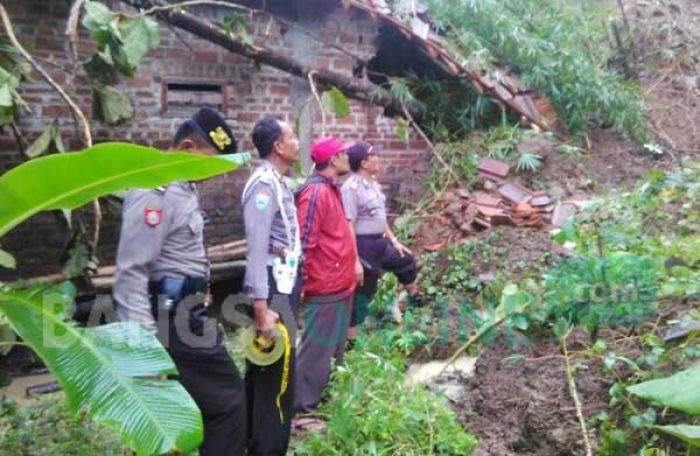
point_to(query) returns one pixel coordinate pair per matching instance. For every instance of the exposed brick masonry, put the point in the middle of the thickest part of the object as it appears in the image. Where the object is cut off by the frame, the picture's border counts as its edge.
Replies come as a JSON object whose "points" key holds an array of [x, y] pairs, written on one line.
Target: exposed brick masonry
{"points": [[252, 92]]}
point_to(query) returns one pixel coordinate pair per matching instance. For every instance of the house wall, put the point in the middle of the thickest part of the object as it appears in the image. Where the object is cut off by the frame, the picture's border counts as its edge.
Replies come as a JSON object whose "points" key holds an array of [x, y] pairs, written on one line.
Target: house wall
{"points": [[251, 91]]}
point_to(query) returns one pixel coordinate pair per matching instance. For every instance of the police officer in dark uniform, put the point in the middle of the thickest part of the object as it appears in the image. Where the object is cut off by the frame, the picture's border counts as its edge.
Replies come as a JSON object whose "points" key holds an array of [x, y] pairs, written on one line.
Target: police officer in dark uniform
{"points": [[272, 261], [378, 248], [162, 283]]}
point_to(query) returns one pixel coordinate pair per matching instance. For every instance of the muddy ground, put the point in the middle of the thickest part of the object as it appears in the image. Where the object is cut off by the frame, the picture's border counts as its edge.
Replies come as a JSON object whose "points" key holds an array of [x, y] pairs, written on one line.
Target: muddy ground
{"points": [[523, 407]]}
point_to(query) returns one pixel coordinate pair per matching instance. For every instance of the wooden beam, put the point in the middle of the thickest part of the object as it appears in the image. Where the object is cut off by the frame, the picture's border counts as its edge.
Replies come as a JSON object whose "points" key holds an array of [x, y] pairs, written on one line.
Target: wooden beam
{"points": [[357, 88]]}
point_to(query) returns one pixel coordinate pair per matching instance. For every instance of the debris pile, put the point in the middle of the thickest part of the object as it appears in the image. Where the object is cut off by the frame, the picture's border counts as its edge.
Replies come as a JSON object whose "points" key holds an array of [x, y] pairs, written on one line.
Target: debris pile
{"points": [[499, 202]]}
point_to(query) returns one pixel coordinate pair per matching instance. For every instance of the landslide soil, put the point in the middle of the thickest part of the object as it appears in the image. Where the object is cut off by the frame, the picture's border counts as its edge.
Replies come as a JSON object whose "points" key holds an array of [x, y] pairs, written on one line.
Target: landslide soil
{"points": [[524, 407]]}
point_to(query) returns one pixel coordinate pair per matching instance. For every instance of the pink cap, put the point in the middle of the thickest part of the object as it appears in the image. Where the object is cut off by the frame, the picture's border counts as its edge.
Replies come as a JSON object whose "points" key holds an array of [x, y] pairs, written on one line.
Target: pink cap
{"points": [[324, 148]]}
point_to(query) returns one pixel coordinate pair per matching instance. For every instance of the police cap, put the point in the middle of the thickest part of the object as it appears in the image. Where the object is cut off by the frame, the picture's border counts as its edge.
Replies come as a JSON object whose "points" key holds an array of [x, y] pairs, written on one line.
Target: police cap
{"points": [[210, 126]]}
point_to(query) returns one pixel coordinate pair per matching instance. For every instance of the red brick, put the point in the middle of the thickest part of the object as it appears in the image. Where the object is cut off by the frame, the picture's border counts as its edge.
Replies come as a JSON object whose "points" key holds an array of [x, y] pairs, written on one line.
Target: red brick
{"points": [[55, 111], [178, 53], [248, 117], [278, 89], [206, 56]]}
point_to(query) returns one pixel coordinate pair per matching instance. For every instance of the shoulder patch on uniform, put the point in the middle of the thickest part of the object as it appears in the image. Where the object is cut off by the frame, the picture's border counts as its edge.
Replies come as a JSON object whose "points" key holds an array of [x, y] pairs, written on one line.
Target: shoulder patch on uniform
{"points": [[262, 199], [160, 190], [152, 216], [353, 184]]}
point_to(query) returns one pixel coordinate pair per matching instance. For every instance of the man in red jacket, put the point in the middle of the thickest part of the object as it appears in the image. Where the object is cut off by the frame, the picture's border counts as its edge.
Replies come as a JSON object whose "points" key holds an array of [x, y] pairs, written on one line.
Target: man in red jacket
{"points": [[331, 270]]}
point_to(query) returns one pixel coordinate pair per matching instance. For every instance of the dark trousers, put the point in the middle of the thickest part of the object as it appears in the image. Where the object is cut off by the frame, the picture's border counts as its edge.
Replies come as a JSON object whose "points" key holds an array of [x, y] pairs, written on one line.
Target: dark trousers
{"points": [[379, 254], [207, 372], [268, 432], [323, 338]]}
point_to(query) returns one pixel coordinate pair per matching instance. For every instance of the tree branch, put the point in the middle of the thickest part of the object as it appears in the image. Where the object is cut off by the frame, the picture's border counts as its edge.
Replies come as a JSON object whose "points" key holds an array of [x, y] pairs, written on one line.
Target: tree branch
{"points": [[475, 338], [432, 147], [72, 29], [320, 104], [574, 395], [74, 108], [185, 4], [360, 89]]}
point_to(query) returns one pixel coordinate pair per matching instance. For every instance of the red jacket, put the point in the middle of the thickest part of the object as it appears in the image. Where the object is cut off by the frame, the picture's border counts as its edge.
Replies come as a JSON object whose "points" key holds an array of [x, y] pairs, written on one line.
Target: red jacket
{"points": [[326, 241]]}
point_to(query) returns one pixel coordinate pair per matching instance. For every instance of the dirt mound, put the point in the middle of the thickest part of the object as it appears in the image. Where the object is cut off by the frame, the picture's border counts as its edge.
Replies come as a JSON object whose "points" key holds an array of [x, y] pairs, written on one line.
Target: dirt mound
{"points": [[523, 407], [613, 163], [667, 36]]}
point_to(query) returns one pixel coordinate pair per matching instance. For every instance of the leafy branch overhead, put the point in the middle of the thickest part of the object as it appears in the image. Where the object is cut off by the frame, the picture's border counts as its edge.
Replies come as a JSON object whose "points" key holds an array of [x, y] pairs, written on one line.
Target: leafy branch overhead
{"points": [[121, 43], [49, 141], [335, 102], [13, 70]]}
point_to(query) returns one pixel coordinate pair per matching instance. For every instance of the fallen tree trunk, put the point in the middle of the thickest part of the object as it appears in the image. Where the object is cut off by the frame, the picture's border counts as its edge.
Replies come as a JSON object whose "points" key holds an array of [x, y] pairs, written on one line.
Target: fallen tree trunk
{"points": [[361, 89]]}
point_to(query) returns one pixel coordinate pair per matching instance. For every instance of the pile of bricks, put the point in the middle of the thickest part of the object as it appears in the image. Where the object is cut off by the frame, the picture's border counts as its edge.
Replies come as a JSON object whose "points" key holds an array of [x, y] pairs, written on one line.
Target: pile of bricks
{"points": [[499, 203]]}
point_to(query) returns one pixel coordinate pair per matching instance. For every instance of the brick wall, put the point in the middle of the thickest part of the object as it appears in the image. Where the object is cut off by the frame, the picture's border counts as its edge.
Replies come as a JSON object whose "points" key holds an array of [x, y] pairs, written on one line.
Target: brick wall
{"points": [[251, 91]]}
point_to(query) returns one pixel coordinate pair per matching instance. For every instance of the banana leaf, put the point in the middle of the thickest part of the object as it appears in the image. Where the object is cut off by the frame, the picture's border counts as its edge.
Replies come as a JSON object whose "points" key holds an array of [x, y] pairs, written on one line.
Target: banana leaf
{"points": [[687, 433], [110, 371], [68, 181], [7, 260], [7, 336], [680, 391]]}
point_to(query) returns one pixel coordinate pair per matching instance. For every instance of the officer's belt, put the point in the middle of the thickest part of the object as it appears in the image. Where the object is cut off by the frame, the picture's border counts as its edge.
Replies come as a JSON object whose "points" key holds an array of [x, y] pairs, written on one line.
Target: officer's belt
{"points": [[169, 291], [371, 236]]}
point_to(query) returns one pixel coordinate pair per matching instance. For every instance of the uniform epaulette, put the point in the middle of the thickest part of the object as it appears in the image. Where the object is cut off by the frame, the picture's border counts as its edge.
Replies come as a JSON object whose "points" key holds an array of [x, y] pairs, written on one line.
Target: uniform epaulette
{"points": [[160, 190], [266, 177]]}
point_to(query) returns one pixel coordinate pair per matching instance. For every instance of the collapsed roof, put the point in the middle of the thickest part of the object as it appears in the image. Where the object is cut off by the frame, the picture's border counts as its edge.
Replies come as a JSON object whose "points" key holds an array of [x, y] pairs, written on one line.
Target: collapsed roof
{"points": [[498, 83]]}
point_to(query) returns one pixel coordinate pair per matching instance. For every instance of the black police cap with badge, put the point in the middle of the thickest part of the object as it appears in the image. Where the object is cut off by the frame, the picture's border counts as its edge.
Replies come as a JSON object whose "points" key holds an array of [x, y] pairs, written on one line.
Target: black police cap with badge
{"points": [[358, 152], [209, 125]]}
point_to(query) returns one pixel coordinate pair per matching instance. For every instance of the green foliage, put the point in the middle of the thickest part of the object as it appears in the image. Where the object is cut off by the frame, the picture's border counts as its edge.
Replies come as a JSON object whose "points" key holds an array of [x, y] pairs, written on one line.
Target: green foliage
{"points": [[529, 161], [402, 129], [685, 432], [68, 181], [7, 336], [660, 221], [46, 426], [109, 371], [49, 141], [680, 391], [102, 369], [559, 48], [401, 90], [13, 61], [372, 411], [499, 142], [121, 44], [452, 271], [9, 98], [236, 26], [617, 289], [461, 160], [450, 108], [14, 69], [110, 105], [7, 260], [335, 102]]}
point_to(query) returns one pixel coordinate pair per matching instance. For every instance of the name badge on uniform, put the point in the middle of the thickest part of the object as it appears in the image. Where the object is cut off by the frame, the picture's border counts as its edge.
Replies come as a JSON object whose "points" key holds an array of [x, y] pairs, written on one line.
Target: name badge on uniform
{"points": [[152, 216]]}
